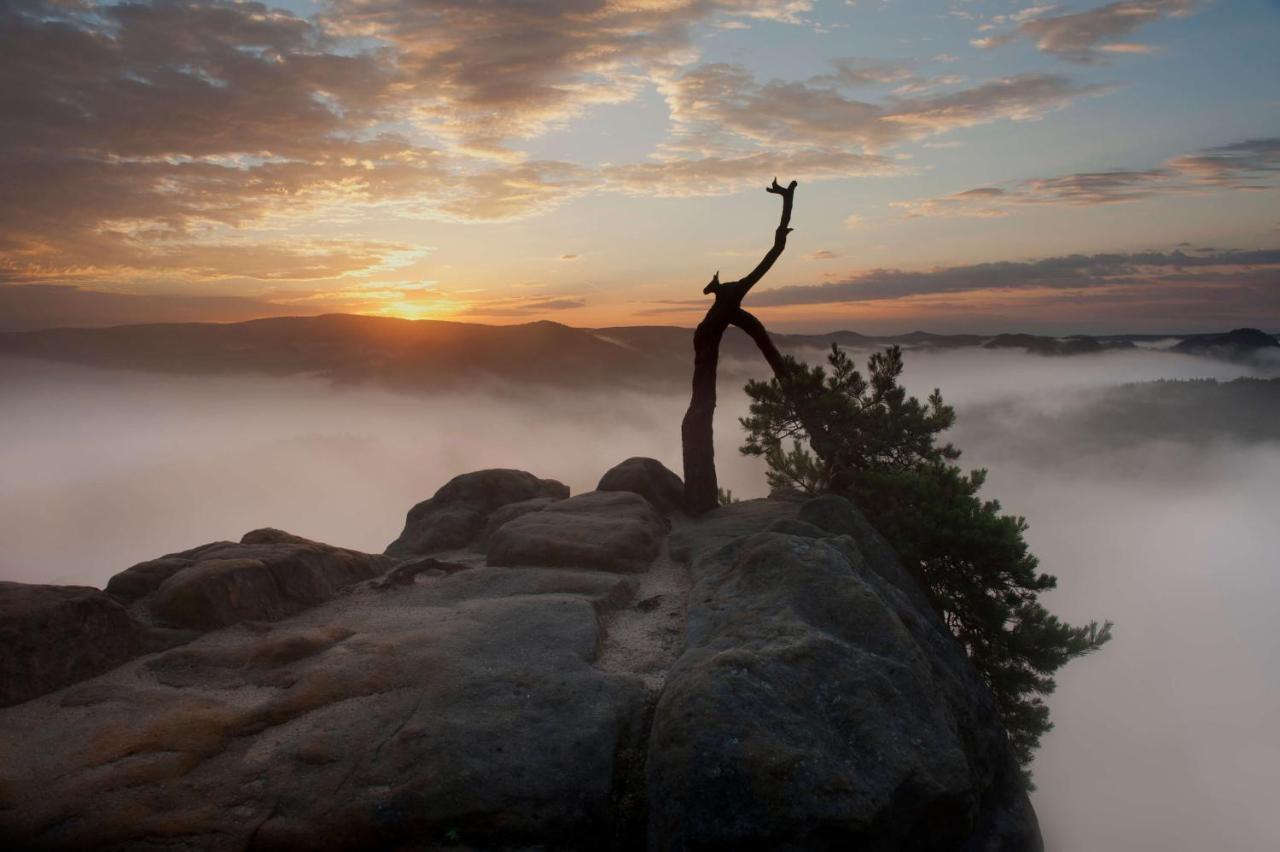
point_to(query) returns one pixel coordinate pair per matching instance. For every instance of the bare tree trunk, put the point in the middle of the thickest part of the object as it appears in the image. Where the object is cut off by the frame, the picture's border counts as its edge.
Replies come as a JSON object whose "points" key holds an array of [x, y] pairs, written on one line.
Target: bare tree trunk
{"points": [[701, 490]]}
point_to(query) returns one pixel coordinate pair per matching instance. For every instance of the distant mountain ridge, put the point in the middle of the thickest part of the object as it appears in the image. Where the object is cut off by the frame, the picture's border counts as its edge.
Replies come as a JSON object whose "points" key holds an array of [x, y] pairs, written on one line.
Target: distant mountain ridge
{"points": [[428, 354], [1240, 344]]}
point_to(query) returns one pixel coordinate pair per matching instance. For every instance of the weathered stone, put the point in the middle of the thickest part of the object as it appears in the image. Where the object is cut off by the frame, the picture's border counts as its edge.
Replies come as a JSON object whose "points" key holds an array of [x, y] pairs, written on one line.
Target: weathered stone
{"points": [[819, 702], [604, 591], [817, 706], [650, 479], [711, 531], [838, 516], [51, 636], [269, 575], [271, 535], [145, 577], [512, 511], [467, 712], [609, 531], [457, 513], [793, 526], [416, 571]]}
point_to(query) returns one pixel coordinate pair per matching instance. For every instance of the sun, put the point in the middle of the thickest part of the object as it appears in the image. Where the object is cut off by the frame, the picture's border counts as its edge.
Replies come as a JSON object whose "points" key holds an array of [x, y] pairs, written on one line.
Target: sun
{"points": [[419, 310]]}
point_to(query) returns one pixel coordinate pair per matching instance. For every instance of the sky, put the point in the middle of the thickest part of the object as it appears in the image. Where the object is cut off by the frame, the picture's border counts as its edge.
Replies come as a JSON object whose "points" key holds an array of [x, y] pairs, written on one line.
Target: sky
{"points": [[968, 165]]}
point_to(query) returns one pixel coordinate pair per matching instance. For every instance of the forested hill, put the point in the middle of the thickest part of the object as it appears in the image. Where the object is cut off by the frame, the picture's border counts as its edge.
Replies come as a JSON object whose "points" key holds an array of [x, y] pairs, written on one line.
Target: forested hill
{"points": [[428, 354]]}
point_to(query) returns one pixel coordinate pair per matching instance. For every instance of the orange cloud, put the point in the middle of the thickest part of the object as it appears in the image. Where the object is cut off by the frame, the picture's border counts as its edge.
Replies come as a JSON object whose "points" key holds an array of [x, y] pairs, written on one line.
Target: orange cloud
{"points": [[1086, 36], [1251, 164]]}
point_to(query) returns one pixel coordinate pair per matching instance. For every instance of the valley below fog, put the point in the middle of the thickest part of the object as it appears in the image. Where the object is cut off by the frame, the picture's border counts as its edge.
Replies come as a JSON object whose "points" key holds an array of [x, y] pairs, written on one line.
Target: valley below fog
{"points": [[1164, 740]]}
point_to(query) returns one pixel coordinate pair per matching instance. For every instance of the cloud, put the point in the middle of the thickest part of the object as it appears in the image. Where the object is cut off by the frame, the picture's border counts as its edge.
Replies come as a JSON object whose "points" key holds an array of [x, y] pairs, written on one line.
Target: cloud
{"points": [[722, 104], [30, 306], [1241, 165], [1211, 274], [556, 304], [719, 174], [181, 139], [512, 192], [852, 71], [1085, 37], [135, 132], [517, 308], [139, 133], [822, 254], [730, 128], [1251, 165], [158, 142], [1023, 97], [481, 74]]}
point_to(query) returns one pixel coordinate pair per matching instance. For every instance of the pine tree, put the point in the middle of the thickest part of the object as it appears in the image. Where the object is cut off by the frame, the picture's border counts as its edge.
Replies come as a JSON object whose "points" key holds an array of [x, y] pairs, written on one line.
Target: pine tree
{"points": [[866, 439]]}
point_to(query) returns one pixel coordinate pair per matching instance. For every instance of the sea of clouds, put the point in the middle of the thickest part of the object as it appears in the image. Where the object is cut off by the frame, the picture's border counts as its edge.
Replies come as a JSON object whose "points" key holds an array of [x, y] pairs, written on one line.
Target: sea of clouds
{"points": [[1165, 740]]}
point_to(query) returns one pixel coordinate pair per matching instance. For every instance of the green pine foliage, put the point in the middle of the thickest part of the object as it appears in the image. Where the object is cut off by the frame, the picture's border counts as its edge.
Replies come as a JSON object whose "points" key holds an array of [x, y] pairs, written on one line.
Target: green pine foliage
{"points": [[864, 438]]}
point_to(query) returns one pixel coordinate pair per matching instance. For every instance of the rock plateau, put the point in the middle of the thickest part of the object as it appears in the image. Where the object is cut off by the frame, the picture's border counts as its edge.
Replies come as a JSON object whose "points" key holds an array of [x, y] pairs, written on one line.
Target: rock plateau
{"points": [[521, 670]]}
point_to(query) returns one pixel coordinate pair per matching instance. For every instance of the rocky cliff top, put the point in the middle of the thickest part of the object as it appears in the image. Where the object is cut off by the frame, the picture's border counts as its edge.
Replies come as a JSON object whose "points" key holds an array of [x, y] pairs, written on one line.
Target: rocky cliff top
{"points": [[522, 670]]}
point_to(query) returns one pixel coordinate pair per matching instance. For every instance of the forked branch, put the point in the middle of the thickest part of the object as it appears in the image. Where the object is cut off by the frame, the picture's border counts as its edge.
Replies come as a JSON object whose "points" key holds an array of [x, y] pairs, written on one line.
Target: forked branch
{"points": [[701, 490], [779, 236]]}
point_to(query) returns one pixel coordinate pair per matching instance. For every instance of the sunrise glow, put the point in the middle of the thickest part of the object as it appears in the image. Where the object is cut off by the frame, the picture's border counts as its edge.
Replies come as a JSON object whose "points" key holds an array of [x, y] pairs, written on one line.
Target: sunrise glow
{"points": [[603, 160]]}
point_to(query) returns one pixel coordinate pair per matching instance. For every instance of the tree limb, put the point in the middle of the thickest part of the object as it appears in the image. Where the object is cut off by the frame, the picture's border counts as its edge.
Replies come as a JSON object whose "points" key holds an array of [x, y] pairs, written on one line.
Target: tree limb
{"points": [[696, 430], [756, 331], [779, 236]]}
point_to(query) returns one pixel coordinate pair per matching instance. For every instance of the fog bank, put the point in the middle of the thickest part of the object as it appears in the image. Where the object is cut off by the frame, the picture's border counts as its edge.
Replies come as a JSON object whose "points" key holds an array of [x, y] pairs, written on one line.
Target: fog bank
{"points": [[104, 468], [1164, 741]]}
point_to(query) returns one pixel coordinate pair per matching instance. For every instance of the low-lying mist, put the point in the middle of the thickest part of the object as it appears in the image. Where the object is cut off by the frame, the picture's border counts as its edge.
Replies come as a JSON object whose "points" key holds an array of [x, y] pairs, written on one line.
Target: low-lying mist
{"points": [[1165, 740]]}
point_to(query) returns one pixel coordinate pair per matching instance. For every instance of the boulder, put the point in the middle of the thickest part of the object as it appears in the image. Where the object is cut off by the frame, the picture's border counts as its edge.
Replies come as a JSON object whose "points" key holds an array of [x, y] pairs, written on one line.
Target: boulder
{"points": [[838, 516], [819, 706], [711, 531], [510, 512], [270, 574], [457, 513], [466, 713], [144, 578], [608, 531], [650, 479], [52, 636]]}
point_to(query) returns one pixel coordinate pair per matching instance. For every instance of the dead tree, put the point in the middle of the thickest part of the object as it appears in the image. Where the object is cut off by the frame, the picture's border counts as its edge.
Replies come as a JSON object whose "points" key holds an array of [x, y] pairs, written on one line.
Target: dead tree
{"points": [[701, 491]]}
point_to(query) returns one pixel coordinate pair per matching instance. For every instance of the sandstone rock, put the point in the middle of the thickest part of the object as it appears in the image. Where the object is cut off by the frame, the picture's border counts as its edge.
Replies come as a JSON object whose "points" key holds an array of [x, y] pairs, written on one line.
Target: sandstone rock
{"points": [[531, 703], [457, 513], [818, 706], [794, 526], [51, 636], [512, 511], [605, 592], [145, 577], [609, 531], [270, 574], [464, 713], [713, 530], [271, 535], [838, 516], [650, 479], [416, 571]]}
